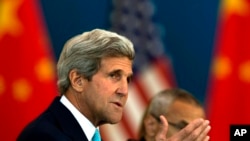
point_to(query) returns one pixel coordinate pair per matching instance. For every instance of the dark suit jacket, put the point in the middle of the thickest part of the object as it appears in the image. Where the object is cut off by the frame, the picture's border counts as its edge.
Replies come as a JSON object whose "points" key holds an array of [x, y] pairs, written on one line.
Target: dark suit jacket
{"points": [[55, 124]]}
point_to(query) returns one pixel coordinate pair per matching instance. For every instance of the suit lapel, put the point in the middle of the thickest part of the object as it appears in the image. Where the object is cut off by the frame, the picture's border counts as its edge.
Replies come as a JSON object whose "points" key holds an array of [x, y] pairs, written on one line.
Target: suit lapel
{"points": [[67, 121]]}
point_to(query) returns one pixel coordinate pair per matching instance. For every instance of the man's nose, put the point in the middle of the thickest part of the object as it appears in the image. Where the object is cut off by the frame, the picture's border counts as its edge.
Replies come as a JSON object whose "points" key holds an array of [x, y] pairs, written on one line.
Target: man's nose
{"points": [[123, 87]]}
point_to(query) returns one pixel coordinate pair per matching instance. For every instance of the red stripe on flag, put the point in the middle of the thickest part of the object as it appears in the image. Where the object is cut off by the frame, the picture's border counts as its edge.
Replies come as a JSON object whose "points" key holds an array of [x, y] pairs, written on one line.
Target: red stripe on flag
{"points": [[141, 91]]}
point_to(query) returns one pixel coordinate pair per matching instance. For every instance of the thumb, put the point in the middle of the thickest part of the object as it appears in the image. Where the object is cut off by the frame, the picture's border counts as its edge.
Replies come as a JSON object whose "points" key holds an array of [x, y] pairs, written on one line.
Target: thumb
{"points": [[162, 132]]}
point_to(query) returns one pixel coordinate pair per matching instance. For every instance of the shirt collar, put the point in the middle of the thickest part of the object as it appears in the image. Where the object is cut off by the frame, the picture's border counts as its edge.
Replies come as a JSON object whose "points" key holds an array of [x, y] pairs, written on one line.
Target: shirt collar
{"points": [[87, 127]]}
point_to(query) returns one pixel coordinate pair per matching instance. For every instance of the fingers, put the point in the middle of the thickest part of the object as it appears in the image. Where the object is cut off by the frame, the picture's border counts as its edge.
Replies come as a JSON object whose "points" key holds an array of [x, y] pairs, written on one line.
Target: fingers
{"points": [[198, 130], [204, 134], [161, 134], [206, 138], [195, 131], [164, 126]]}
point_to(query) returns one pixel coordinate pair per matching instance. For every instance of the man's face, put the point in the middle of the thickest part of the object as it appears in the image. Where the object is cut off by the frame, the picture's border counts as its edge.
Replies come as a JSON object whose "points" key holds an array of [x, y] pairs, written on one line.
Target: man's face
{"points": [[105, 95], [180, 114]]}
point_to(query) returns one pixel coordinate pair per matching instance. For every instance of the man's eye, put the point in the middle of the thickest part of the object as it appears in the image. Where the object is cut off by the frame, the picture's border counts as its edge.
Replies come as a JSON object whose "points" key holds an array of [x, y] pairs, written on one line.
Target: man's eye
{"points": [[114, 75]]}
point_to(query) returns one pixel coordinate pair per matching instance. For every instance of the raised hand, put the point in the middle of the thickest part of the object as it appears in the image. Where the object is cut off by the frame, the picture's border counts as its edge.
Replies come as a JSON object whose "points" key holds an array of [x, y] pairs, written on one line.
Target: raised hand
{"points": [[197, 130]]}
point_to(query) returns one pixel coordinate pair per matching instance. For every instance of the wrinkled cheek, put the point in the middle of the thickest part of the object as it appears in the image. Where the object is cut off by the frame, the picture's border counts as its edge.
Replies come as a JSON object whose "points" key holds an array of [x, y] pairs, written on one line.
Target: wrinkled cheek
{"points": [[100, 86]]}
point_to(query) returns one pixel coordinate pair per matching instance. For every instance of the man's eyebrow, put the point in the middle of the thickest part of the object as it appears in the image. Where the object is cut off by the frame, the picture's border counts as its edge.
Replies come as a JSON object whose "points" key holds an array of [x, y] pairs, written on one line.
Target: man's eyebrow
{"points": [[116, 71], [120, 71]]}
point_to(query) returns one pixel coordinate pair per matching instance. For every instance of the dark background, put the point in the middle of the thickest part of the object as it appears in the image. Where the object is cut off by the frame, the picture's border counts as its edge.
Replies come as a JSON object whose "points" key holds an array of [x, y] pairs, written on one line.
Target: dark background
{"points": [[189, 32]]}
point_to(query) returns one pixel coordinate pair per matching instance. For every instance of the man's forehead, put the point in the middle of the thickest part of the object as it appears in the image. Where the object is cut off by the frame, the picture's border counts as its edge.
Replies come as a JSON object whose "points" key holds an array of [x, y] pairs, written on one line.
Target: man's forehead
{"points": [[117, 63]]}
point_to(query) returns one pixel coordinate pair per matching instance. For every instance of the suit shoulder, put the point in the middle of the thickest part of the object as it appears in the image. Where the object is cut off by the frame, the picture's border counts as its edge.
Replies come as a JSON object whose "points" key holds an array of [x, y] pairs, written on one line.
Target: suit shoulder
{"points": [[45, 127]]}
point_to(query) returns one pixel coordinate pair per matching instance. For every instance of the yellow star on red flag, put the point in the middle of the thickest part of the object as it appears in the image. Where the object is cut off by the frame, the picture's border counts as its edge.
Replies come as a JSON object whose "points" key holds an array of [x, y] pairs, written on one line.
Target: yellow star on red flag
{"points": [[9, 20]]}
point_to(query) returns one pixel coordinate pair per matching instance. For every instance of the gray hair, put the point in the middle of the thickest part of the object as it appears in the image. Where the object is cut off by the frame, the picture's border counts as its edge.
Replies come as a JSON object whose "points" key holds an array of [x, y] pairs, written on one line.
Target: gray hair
{"points": [[159, 103], [84, 53]]}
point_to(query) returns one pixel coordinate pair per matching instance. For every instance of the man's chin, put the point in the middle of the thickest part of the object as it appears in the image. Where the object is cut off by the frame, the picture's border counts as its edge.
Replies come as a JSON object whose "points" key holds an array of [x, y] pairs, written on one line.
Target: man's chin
{"points": [[115, 120]]}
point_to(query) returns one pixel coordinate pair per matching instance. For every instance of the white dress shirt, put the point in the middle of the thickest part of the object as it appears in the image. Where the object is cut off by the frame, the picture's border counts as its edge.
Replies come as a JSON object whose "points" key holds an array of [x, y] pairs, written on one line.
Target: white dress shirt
{"points": [[87, 127]]}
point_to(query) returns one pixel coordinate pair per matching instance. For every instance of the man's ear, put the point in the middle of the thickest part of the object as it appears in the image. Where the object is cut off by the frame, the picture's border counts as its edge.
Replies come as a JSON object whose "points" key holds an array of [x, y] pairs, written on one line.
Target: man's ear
{"points": [[76, 80]]}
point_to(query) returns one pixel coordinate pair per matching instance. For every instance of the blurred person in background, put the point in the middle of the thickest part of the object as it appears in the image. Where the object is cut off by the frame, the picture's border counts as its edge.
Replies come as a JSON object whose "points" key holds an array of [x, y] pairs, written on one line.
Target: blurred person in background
{"points": [[178, 106]]}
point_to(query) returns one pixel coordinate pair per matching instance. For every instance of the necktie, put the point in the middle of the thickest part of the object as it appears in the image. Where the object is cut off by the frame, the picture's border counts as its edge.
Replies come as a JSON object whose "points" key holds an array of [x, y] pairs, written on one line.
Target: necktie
{"points": [[96, 136]]}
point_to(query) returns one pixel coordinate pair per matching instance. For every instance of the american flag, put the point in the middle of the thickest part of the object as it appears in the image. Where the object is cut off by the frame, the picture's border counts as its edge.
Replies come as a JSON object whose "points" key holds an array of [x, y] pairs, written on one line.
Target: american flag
{"points": [[152, 67]]}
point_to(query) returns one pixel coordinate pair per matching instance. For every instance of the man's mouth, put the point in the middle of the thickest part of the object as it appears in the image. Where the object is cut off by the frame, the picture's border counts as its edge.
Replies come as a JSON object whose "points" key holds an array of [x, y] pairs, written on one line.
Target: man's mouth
{"points": [[118, 104]]}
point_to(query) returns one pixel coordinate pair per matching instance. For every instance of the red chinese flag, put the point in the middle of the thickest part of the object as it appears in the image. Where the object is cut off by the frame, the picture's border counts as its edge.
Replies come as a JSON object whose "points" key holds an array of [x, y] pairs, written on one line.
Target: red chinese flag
{"points": [[229, 89], [27, 70]]}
